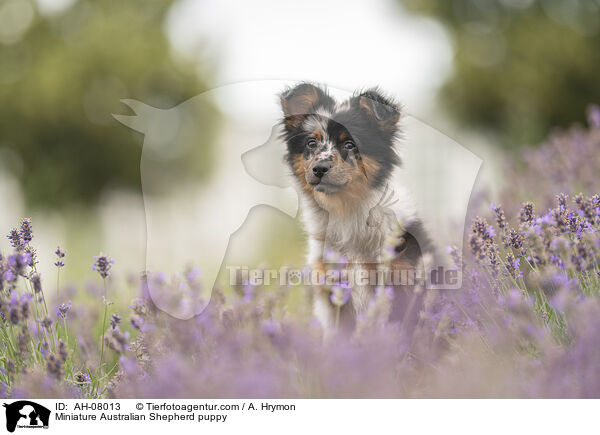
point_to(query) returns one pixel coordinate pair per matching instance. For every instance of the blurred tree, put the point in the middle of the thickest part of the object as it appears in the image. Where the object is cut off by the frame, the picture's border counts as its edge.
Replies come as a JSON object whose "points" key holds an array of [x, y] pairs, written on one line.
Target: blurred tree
{"points": [[520, 66], [62, 74]]}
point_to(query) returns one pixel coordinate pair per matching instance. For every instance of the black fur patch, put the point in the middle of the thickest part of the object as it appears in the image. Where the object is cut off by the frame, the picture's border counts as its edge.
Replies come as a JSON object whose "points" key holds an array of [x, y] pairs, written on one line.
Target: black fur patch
{"points": [[415, 242]]}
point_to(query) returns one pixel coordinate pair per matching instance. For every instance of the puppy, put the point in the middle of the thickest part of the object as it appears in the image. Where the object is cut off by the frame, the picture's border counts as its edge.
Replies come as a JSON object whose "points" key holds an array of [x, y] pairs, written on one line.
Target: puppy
{"points": [[342, 157]]}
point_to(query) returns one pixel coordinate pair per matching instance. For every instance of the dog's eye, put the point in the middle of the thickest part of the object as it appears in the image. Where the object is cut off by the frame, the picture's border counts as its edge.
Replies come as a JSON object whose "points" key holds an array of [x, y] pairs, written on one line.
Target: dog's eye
{"points": [[311, 143], [349, 145]]}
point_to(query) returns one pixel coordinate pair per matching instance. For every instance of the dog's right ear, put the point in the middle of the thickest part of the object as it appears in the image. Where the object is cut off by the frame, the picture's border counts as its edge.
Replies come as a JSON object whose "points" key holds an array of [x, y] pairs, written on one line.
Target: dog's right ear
{"points": [[303, 100]]}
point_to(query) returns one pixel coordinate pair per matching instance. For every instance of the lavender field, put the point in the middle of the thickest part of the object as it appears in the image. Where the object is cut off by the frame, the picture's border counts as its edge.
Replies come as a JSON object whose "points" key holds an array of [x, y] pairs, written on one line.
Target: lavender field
{"points": [[526, 323]]}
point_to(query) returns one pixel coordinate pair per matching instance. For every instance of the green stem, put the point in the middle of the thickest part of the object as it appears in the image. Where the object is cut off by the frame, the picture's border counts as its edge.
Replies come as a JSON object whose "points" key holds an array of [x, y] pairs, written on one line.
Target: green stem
{"points": [[34, 267], [66, 333], [43, 335], [10, 346], [103, 325], [57, 289]]}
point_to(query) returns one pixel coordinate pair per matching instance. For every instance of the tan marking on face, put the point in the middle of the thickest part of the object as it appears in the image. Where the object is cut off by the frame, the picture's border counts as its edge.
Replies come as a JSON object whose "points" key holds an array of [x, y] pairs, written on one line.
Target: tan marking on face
{"points": [[299, 167], [318, 135], [343, 136], [358, 177], [370, 166]]}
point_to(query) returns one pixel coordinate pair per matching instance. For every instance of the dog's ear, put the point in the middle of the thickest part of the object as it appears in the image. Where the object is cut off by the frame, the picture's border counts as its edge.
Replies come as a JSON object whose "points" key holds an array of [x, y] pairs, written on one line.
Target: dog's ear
{"points": [[383, 111], [302, 100]]}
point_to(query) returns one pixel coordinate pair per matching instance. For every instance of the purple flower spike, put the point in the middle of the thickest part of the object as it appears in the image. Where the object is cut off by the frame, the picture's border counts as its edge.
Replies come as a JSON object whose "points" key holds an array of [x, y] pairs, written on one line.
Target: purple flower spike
{"points": [[63, 309], [500, 216], [9, 276], [36, 282], [15, 238], [102, 265], [115, 320], [60, 254], [526, 215], [26, 230]]}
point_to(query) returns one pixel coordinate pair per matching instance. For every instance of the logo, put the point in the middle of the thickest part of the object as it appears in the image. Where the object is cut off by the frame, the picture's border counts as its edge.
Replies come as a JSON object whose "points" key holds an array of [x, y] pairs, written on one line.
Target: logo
{"points": [[26, 414]]}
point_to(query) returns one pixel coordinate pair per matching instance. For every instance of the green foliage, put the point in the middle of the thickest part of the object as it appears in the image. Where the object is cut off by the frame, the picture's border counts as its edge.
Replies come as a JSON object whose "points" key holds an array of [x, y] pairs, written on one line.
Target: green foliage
{"points": [[520, 66], [63, 77]]}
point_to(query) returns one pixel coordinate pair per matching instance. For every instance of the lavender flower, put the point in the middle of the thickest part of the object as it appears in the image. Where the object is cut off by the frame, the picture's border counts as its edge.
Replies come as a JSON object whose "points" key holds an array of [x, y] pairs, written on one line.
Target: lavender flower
{"points": [[32, 253], [456, 256], [46, 322], [140, 310], [25, 300], [115, 319], [26, 231], [14, 315], [479, 226], [588, 207], [116, 340], [60, 254], [82, 378], [513, 266], [62, 351], [478, 247], [54, 366], [18, 308], [526, 215], [580, 256], [9, 276], [15, 239], [36, 282], [18, 262], [136, 321], [514, 239], [494, 261], [63, 309], [22, 342], [500, 217], [102, 265], [139, 307], [562, 200], [10, 367]]}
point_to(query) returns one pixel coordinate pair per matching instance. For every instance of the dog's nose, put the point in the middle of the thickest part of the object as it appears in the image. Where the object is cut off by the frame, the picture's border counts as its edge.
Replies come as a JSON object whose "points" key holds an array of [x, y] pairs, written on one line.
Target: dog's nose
{"points": [[321, 168]]}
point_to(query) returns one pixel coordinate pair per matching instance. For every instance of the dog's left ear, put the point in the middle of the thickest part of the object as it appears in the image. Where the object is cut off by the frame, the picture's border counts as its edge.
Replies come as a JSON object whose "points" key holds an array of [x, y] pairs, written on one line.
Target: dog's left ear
{"points": [[384, 112]]}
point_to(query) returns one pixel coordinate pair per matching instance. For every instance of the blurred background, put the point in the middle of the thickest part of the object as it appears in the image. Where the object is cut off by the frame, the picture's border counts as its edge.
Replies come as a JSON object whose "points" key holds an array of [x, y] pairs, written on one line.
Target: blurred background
{"points": [[494, 75]]}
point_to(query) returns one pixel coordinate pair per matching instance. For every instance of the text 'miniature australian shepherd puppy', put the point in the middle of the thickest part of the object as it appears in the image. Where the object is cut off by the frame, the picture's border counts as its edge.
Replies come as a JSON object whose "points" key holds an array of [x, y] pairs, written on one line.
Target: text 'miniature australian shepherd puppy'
{"points": [[342, 156]]}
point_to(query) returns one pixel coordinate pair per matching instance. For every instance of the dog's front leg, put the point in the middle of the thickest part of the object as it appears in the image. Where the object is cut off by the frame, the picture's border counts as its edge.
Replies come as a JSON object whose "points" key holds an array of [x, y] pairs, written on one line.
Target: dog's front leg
{"points": [[323, 310]]}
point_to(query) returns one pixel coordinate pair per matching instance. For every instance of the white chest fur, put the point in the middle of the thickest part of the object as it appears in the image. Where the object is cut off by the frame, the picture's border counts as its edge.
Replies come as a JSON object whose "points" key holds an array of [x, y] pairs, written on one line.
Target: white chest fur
{"points": [[359, 236]]}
